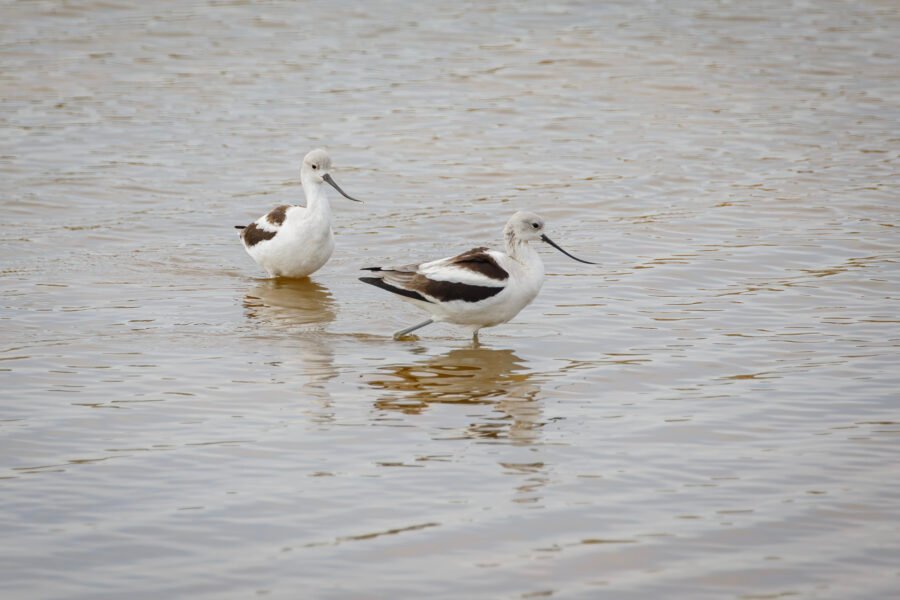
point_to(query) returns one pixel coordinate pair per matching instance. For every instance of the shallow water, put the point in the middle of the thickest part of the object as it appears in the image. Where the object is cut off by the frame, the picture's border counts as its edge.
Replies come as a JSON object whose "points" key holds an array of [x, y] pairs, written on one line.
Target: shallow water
{"points": [[710, 413]]}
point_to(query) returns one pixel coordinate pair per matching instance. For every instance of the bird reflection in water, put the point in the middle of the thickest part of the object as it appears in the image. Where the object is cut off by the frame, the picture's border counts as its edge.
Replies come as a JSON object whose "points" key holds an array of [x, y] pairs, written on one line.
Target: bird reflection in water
{"points": [[474, 375], [299, 306], [290, 302]]}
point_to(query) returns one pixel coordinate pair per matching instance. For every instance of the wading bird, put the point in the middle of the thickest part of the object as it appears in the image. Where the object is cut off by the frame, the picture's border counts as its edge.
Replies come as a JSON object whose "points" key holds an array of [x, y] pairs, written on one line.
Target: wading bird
{"points": [[476, 289], [296, 241]]}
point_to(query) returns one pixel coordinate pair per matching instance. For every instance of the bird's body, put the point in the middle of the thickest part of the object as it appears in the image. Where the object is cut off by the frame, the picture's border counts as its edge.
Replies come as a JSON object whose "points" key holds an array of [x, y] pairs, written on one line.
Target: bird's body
{"points": [[476, 289], [291, 241], [296, 241]]}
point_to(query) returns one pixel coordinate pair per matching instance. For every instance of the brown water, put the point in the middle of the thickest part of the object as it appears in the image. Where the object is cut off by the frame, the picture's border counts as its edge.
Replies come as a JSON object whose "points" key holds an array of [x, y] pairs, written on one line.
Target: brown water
{"points": [[712, 412]]}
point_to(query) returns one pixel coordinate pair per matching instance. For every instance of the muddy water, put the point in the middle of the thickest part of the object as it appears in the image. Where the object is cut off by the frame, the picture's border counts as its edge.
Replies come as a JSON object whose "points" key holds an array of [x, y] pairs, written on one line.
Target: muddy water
{"points": [[712, 412]]}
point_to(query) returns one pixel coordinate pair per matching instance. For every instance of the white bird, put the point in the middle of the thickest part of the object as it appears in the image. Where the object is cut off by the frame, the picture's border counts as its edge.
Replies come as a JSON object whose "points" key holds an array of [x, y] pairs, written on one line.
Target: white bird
{"points": [[479, 288], [296, 241]]}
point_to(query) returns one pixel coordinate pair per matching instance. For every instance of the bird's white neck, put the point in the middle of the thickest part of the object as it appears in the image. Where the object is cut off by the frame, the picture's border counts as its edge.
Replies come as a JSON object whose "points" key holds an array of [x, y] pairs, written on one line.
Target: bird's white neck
{"points": [[316, 197], [522, 252]]}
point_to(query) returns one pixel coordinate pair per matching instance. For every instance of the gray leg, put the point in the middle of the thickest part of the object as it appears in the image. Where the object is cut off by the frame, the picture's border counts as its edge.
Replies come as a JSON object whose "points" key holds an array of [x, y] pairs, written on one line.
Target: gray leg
{"points": [[403, 332]]}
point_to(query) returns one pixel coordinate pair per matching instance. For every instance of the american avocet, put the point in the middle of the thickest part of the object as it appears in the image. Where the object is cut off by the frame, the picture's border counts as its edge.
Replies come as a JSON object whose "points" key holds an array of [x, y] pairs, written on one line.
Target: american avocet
{"points": [[295, 241], [479, 288]]}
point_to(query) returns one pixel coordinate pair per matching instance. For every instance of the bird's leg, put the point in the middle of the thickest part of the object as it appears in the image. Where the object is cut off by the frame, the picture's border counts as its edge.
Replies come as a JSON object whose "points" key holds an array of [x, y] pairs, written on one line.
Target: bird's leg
{"points": [[403, 332], [476, 343]]}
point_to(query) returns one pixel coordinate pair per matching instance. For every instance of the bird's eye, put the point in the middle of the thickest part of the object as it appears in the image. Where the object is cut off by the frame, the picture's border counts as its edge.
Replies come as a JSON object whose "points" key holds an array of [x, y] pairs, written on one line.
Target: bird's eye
{"points": [[536, 225], [315, 167]]}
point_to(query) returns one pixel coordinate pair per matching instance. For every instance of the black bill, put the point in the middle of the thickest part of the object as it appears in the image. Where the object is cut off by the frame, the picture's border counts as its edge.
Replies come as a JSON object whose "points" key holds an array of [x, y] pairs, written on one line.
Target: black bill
{"points": [[331, 182], [552, 243]]}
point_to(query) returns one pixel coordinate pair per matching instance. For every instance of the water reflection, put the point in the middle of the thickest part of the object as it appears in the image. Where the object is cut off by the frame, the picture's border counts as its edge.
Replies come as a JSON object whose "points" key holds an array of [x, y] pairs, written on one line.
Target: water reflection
{"points": [[290, 302], [473, 375], [280, 305]]}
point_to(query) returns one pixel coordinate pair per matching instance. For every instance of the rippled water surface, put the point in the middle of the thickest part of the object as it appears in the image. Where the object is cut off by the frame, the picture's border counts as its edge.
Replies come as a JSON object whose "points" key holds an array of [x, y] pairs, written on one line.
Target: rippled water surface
{"points": [[711, 412]]}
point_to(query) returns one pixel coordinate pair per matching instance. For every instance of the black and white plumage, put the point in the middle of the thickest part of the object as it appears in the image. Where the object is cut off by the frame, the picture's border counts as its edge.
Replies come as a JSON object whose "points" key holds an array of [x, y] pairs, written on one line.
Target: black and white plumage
{"points": [[296, 241], [479, 288]]}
